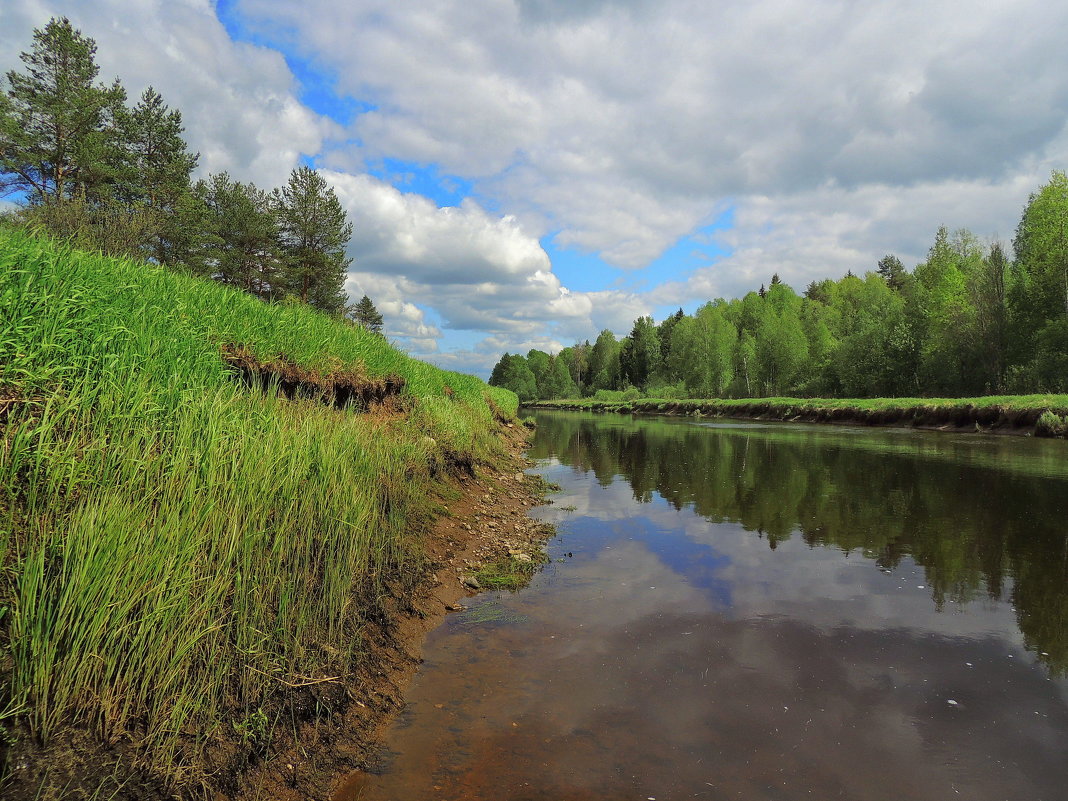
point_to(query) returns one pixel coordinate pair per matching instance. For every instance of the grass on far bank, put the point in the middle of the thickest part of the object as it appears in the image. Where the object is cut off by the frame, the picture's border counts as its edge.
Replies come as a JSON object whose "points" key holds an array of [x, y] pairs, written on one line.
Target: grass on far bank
{"points": [[176, 549], [1047, 414]]}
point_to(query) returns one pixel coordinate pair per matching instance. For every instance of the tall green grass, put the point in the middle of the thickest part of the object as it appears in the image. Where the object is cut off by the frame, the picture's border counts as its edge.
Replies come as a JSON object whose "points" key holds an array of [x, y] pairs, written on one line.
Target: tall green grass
{"points": [[176, 548]]}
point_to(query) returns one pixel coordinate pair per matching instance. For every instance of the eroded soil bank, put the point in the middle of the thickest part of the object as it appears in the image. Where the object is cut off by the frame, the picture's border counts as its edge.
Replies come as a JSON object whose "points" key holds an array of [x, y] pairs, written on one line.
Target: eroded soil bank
{"points": [[486, 523]]}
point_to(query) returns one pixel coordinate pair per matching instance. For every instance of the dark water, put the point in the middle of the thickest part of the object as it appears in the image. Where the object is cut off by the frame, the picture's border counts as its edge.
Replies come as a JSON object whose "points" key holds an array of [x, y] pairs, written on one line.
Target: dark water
{"points": [[744, 611]]}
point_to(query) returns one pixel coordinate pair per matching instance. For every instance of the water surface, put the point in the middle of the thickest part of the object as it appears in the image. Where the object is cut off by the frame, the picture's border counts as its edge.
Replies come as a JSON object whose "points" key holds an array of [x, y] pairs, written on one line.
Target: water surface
{"points": [[746, 611]]}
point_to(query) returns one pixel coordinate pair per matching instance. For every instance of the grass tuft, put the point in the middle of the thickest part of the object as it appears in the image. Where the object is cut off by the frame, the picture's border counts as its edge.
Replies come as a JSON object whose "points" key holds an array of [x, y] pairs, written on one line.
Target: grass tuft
{"points": [[510, 573]]}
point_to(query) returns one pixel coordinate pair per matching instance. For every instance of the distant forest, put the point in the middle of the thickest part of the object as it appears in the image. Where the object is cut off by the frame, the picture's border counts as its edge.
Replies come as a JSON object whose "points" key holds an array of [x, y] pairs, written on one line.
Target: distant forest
{"points": [[968, 321]]}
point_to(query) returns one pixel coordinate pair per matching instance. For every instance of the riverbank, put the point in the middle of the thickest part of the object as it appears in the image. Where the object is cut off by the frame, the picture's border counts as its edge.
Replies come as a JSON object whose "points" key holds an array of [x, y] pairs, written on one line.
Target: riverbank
{"points": [[215, 517], [1037, 415], [484, 524]]}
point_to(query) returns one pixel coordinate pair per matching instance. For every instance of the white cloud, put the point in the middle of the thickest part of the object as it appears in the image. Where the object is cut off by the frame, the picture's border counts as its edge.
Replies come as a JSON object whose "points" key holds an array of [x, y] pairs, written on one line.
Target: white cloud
{"points": [[813, 235], [238, 101], [626, 125], [477, 270]]}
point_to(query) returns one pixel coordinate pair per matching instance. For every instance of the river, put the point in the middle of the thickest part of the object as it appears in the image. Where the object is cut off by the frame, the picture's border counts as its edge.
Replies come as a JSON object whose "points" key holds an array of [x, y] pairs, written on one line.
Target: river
{"points": [[760, 611]]}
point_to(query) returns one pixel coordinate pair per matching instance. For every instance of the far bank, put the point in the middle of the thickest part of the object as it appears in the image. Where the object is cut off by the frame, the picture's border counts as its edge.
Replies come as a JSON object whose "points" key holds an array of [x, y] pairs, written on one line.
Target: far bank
{"points": [[1028, 415]]}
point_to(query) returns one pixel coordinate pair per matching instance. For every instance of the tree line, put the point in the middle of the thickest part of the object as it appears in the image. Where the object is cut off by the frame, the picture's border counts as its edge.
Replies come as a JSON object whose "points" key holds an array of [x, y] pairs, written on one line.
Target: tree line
{"points": [[969, 320], [87, 167]]}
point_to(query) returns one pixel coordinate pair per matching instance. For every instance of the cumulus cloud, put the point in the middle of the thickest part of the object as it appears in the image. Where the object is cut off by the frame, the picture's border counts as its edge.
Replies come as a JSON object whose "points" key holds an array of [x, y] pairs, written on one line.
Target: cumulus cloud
{"points": [[238, 101], [479, 271], [624, 125], [813, 235]]}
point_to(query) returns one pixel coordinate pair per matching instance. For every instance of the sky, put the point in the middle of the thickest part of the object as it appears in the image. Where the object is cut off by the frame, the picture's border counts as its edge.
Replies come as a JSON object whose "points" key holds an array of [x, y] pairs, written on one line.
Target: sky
{"points": [[526, 173]]}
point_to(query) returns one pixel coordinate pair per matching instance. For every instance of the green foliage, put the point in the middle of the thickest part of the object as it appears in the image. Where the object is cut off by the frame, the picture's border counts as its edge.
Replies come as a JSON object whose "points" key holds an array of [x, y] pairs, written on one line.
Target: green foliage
{"points": [[893, 272], [1051, 356], [244, 249], [1041, 246], [604, 362], [639, 356], [109, 178], [511, 573], [966, 322], [514, 374], [1051, 424], [155, 178]]}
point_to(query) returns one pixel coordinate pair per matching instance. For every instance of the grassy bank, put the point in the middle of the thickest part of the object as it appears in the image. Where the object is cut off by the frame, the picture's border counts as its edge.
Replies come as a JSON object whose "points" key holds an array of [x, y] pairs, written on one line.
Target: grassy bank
{"points": [[1042, 415], [182, 552]]}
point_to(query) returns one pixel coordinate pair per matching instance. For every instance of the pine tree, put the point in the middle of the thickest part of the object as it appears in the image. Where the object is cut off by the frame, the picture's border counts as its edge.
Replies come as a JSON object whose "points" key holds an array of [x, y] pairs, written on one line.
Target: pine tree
{"points": [[57, 137], [314, 232], [892, 271], [245, 250], [366, 315], [640, 355], [156, 174]]}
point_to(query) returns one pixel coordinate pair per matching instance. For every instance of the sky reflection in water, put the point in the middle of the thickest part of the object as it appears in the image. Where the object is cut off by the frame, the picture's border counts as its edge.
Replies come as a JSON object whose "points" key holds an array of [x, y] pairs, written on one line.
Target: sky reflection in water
{"points": [[875, 652]]}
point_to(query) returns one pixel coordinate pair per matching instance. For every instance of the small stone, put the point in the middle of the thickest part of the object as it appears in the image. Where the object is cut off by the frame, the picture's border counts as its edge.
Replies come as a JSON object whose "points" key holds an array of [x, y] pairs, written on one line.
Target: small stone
{"points": [[518, 476], [472, 582]]}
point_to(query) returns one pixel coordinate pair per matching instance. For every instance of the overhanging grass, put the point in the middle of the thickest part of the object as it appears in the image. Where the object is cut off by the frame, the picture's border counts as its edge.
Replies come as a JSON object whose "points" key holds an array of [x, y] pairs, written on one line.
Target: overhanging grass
{"points": [[175, 547]]}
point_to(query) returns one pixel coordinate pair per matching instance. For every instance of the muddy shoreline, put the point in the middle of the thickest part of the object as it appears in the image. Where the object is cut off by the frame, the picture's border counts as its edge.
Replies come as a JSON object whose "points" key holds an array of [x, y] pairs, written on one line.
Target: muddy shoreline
{"points": [[487, 520]]}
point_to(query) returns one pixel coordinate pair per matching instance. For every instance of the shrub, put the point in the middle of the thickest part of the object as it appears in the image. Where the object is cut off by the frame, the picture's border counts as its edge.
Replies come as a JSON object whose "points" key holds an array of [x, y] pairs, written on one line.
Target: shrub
{"points": [[1051, 424]]}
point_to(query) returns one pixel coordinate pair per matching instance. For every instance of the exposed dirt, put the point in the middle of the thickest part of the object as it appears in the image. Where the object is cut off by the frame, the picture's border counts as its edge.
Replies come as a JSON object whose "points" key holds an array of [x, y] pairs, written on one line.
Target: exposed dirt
{"points": [[341, 386], [486, 523]]}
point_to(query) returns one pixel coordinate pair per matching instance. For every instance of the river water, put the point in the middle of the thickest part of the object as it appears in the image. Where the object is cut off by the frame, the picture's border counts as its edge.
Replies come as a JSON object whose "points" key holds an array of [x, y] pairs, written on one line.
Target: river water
{"points": [[760, 611]]}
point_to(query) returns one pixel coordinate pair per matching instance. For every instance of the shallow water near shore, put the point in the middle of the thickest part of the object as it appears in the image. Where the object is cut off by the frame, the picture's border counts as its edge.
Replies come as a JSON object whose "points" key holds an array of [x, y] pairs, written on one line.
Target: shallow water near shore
{"points": [[754, 611]]}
